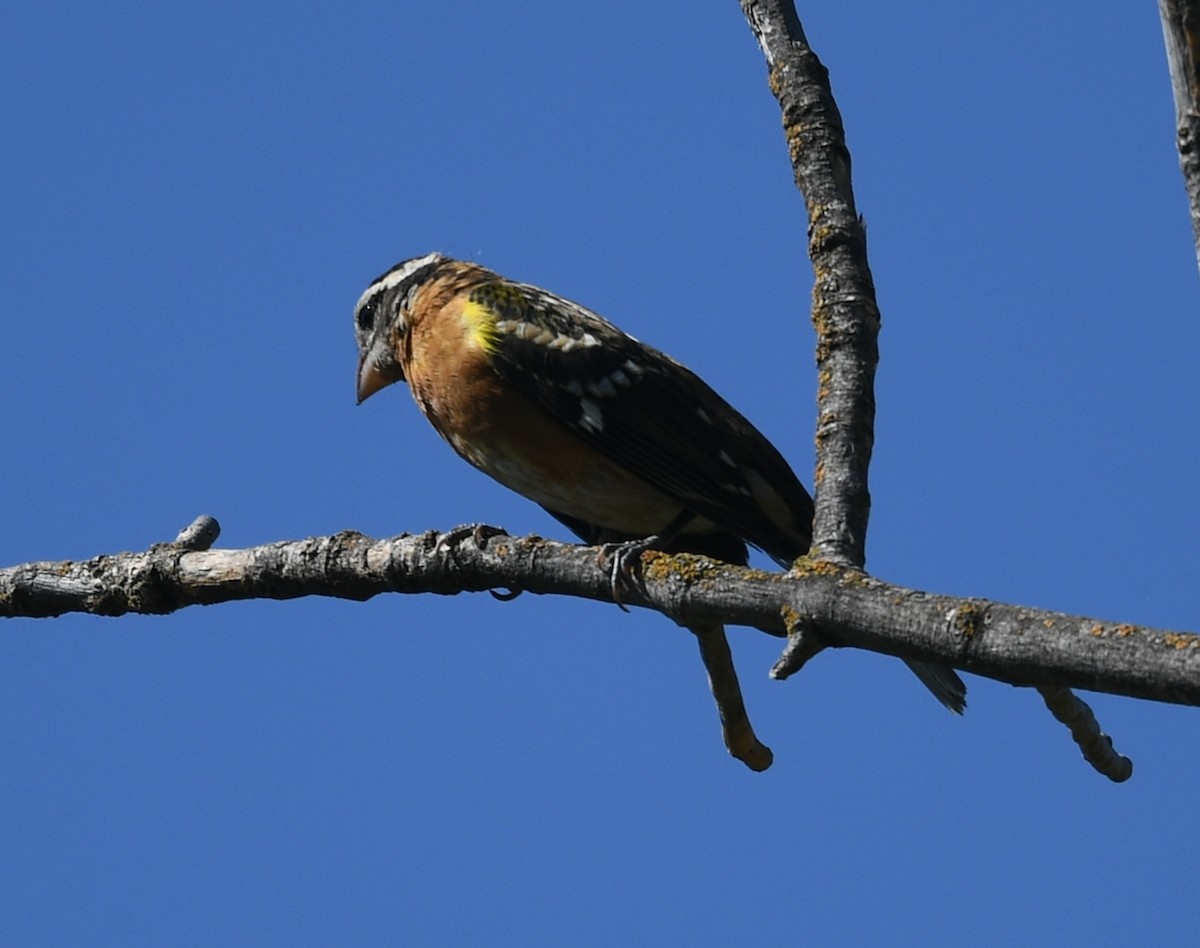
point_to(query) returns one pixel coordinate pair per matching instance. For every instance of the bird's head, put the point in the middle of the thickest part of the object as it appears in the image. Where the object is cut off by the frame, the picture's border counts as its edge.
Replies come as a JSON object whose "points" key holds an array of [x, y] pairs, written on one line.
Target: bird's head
{"points": [[383, 318]]}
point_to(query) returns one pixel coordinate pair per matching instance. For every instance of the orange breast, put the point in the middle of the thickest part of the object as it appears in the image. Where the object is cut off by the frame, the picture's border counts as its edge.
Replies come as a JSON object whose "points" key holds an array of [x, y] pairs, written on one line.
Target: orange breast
{"points": [[505, 434]]}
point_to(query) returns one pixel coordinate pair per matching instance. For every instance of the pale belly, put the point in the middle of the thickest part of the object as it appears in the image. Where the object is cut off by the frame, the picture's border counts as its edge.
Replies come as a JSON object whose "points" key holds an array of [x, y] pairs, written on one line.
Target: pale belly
{"points": [[599, 492]]}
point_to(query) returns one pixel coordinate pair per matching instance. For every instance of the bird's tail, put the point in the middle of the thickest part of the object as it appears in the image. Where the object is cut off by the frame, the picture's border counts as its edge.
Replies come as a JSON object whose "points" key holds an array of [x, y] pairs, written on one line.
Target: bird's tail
{"points": [[945, 684]]}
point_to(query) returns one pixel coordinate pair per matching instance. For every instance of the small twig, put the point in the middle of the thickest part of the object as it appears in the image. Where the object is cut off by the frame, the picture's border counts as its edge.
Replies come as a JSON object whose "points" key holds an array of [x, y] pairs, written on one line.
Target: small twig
{"points": [[722, 678], [802, 644], [1097, 747], [200, 534]]}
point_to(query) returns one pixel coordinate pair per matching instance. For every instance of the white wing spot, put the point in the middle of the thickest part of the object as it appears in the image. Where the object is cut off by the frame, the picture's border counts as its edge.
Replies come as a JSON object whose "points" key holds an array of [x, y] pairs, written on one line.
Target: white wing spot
{"points": [[591, 419], [538, 335], [632, 367], [621, 379], [602, 389], [707, 419], [725, 458]]}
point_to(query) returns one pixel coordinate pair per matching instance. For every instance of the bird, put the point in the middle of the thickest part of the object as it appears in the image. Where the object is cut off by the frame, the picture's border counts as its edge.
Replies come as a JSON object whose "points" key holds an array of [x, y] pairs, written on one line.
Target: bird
{"points": [[613, 438]]}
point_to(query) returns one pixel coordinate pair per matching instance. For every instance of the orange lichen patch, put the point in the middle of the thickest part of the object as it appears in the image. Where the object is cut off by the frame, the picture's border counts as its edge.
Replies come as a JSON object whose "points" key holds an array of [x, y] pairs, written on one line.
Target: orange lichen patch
{"points": [[791, 618], [1097, 629], [1178, 640], [965, 619], [854, 577], [806, 566], [822, 234], [659, 566], [692, 568], [1048, 623], [1124, 630]]}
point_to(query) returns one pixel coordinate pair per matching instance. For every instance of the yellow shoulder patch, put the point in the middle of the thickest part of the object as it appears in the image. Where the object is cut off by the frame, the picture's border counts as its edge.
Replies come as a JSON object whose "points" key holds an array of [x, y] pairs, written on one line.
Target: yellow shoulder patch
{"points": [[486, 307], [479, 321]]}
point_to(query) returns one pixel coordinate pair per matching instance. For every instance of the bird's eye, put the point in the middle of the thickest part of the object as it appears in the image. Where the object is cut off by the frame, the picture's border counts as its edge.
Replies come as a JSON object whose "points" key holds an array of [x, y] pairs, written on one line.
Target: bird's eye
{"points": [[366, 316]]}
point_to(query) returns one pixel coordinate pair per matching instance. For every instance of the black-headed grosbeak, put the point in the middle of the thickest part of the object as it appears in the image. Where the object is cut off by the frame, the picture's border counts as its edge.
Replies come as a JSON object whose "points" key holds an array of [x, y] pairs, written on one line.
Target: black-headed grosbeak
{"points": [[613, 438]]}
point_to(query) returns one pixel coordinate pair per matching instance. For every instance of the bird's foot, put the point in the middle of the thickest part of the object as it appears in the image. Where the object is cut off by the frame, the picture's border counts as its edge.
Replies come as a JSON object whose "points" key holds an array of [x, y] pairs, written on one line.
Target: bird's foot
{"points": [[622, 561], [479, 533]]}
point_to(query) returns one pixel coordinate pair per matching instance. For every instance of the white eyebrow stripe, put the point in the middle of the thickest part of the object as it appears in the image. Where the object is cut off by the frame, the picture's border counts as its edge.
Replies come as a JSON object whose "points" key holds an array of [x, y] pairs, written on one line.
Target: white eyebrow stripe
{"points": [[398, 275]]}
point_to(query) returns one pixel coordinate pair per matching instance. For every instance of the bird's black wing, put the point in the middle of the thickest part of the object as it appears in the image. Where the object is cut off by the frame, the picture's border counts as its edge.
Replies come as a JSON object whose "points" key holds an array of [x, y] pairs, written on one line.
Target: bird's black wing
{"points": [[646, 412]]}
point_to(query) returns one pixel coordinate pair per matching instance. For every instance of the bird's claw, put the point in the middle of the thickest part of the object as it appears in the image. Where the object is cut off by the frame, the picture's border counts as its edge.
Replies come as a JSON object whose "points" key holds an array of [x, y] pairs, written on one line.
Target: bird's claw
{"points": [[622, 561], [480, 533]]}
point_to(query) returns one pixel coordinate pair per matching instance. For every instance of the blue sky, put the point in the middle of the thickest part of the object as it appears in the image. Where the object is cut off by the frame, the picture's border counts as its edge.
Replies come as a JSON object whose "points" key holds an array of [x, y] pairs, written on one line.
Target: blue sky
{"points": [[193, 198]]}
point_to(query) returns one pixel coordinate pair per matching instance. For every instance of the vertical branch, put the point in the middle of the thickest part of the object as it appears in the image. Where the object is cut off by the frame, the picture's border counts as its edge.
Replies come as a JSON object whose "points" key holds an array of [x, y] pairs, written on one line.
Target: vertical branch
{"points": [[846, 315], [844, 311], [1181, 32]]}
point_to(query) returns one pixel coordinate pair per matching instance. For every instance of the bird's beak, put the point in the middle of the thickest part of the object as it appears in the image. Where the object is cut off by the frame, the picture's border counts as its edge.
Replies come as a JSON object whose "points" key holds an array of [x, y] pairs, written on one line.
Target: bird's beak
{"points": [[372, 377]]}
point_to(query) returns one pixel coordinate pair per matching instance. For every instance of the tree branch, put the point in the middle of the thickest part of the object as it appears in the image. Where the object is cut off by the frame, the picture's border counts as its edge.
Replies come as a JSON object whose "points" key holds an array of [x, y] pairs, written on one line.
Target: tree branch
{"points": [[1015, 644], [844, 311], [736, 729], [1181, 33], [846, 317], [1095, 745]]}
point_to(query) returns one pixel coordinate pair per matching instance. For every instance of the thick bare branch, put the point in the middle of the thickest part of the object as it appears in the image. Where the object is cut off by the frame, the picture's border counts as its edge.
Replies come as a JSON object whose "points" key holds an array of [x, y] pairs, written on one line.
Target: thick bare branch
{"points": [[844, 311], [1181, 32], [1009, 643]]}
